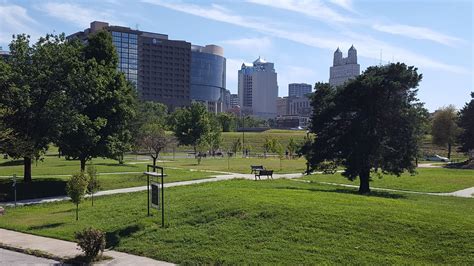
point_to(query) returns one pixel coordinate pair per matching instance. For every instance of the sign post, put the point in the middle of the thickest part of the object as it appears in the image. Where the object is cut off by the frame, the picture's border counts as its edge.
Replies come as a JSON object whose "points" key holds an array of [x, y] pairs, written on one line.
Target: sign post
{"points": [[155, 191], [14, 187]]}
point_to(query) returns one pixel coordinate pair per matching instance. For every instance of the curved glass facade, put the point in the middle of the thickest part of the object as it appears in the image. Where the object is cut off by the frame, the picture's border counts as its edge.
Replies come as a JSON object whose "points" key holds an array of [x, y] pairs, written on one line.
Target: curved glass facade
{"points": [[207, 76]]}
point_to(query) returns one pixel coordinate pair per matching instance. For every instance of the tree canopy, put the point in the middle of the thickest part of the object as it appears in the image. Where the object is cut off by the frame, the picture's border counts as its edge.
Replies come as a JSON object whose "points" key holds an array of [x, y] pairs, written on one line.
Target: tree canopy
{"points": [[372, 123], [445, 129], [466, 123]]}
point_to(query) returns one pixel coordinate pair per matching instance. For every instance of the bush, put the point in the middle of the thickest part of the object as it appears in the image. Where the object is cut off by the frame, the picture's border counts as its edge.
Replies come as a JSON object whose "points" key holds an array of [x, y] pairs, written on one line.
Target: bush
{"points": [[91, 241]]}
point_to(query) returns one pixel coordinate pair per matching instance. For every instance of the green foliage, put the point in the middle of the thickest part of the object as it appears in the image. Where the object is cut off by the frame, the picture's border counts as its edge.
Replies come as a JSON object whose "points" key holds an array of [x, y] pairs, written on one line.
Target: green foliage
{"points": [[292, 147], [374, 122], [269, 145], [100, 107], [76, 189], [227, 121], [444, 127], [466, 123], [33, 83], [191, 125], [153, 139], [236, 146], [91, 241]]}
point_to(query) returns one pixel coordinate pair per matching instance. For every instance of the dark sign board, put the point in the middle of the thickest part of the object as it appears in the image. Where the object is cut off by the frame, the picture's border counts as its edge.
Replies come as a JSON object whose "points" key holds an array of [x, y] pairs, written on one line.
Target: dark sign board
{"points": [[155, 195]]}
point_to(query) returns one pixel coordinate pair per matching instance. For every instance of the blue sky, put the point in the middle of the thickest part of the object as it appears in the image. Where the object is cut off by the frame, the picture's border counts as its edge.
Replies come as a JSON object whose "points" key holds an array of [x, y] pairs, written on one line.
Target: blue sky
{"points": [[298, 36]]}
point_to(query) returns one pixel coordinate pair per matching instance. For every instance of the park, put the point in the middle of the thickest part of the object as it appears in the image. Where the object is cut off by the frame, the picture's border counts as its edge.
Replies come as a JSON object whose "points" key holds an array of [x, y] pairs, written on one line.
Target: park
{"points": [[355, 187]]}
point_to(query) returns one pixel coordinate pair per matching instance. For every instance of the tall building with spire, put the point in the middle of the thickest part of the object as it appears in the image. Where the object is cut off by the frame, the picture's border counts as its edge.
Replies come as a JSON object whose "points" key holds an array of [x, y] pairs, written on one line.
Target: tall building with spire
{"points": [[343, 68], [258, 89]]}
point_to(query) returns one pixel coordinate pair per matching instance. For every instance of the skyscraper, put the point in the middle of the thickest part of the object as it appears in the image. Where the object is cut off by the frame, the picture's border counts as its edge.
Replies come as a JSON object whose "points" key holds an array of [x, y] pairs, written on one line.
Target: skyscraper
{"points": [[208, 76], [234, 100], [159, 67], [258, 88], [344, 68], [298, 89]]}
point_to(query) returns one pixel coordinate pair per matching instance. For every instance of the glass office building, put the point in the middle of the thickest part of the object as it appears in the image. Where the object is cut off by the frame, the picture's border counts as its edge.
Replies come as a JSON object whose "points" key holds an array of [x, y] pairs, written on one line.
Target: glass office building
{"points": [[208, 73], [126, 45]]}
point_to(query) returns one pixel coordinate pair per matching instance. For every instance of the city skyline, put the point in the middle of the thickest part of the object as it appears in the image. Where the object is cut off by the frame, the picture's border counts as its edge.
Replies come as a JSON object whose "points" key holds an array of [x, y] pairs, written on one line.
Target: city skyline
{"points": [[301, 43]]}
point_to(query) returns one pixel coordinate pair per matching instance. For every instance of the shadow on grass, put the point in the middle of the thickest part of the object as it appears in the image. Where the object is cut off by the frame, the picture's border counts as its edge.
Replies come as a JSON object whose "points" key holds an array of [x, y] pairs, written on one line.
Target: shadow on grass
{"points": [[45, 226], [12, 163], [38, 188], [113, 238], [116, 164], [380, 194]]}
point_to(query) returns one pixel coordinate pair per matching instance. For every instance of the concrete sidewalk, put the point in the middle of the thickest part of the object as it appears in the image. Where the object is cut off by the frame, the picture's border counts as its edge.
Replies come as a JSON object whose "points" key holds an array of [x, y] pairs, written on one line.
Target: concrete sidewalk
{"points": [[66, 250], [226, 176]]}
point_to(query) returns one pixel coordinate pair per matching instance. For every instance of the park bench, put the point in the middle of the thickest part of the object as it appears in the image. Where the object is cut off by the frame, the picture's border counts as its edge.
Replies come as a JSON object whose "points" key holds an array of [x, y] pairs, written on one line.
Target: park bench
{"points": [[255, 168], [268, 173]]}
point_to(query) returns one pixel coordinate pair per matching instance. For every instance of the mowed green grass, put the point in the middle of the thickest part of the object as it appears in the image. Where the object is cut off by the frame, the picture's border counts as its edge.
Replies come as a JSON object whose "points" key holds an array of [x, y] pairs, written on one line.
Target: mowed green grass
{"points": [[269, 222], [426, 180], [241, 165]]}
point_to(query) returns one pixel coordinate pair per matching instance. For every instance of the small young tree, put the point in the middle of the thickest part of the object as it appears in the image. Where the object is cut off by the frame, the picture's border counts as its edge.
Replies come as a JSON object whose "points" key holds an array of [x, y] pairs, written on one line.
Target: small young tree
{"points": [[76, 189], [93, 184], [154, 139], [292, 147], [268, 145], [279, 149], [236, 146], [445, 129]]}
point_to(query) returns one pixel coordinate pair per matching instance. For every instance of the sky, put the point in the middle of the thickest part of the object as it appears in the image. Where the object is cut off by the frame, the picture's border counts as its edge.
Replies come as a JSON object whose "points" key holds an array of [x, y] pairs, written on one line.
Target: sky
{"points": [[298, 36]]}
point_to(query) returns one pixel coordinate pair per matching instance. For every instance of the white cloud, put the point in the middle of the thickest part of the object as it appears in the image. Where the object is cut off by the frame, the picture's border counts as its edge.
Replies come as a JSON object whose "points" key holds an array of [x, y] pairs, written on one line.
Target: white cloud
{"points": [[14, 19], [76, 14], [420, 33], [232, 67], [312, 8], [253, 44], [368, 47], [346, 4], [294, 74]]}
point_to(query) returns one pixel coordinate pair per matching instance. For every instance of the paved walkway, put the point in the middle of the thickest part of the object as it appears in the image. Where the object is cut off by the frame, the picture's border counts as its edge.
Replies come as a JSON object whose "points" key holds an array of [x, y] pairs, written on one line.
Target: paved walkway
{"points": [[8, 257], [65, 249], [465, 193]]}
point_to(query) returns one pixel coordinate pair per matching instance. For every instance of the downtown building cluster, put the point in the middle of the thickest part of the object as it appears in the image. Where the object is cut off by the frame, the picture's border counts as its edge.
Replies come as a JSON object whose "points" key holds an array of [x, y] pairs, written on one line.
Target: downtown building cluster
{"points": [[177, 73], [172, 72]]}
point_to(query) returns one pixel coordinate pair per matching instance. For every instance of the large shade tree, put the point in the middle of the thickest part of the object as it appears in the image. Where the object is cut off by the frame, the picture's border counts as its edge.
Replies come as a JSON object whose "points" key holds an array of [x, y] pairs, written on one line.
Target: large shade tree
{"points": [[33, 85], [466, 123], [372, 123], [444, 128], [191, 125], [101, 105]]}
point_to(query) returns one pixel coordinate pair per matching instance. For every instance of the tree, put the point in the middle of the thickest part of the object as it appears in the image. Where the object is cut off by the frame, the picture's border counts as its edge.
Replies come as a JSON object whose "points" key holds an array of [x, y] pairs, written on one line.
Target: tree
{"points": [[268, 145], [101, 105], [466, 123], [191, 125], [93, 184], [33, 83], [153, 139], [227, 121], [292, 147], [279, 149], [76, 189], [236, 146], [445, 129], [213, 137], [372, 123]]}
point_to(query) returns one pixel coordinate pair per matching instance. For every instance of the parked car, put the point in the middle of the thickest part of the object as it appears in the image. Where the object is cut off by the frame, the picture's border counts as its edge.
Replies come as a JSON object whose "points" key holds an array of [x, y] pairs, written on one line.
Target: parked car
{"points": [[437, 158]]}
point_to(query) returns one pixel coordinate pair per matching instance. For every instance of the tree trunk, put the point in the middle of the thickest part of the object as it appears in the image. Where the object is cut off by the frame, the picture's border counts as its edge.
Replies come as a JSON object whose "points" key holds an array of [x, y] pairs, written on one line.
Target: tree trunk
{"points": [[92, 197], [27, 169], [154, 161], [364, 177], [77, 211], [83, 164], [449, 151]]}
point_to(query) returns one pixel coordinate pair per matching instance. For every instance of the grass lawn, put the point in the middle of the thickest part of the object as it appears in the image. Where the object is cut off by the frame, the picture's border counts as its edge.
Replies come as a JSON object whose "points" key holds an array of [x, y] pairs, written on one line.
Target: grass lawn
{"points": [[270, 222], [241, 165], [427, 180]]}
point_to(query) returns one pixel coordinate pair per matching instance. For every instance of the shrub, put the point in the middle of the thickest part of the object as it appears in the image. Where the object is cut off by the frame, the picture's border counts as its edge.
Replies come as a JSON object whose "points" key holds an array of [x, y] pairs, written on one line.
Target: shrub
{"points": [[91, 241]]}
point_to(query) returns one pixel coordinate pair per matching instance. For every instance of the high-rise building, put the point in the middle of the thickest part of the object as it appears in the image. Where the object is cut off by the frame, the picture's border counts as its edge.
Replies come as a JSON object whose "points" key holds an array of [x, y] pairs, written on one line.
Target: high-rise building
{"points": [[208, 76], [159, 67], [344, 68], [282, 106], [258, 88], [298, 89], [227, 100], [234, 100]]}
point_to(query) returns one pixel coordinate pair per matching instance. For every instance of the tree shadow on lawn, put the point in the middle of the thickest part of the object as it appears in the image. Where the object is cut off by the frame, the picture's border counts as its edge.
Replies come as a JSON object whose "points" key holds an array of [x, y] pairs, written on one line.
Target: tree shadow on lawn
{"points": [[115, 165], [380, 194], [38, 188], [12, 163], [113, 238], [45, 226]]}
